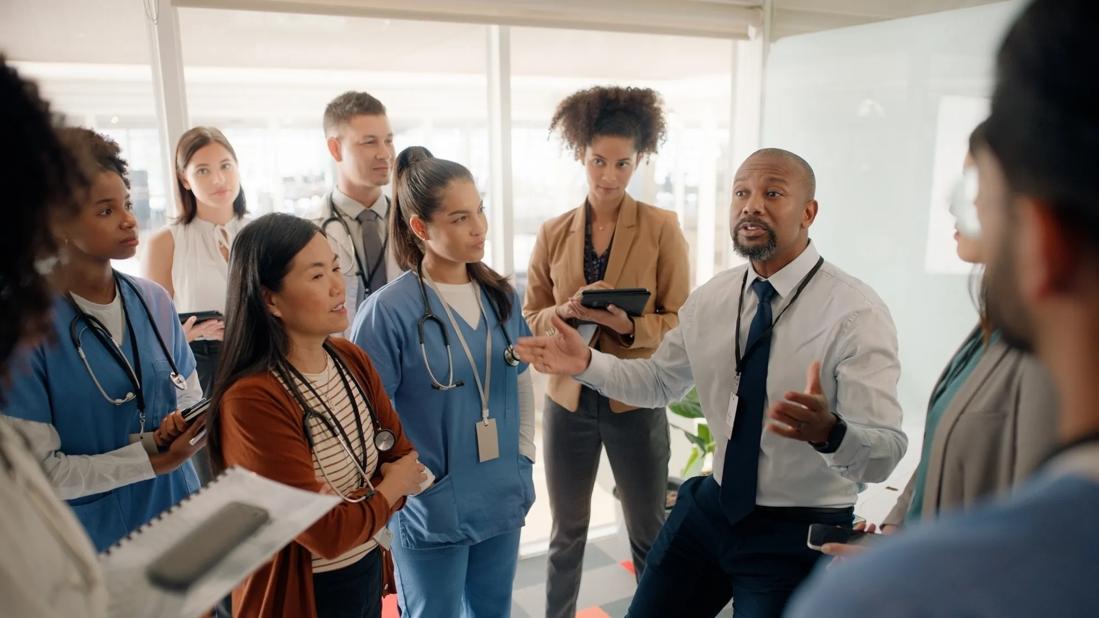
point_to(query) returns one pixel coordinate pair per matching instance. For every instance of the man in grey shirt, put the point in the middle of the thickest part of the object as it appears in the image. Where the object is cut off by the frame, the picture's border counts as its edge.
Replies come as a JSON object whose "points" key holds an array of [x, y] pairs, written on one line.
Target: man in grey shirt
{"points": [[786, 337]]}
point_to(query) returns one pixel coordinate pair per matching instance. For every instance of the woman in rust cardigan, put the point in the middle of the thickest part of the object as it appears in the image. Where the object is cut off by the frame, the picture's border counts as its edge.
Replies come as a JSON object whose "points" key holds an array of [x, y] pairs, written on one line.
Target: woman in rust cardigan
{"points": [[609, 241], [296, 406]]}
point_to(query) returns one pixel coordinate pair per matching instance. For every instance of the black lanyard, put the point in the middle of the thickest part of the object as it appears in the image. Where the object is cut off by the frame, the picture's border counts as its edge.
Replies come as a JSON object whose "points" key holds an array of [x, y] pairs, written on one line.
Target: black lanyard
{"points": [[324, 420], [739, 306]]}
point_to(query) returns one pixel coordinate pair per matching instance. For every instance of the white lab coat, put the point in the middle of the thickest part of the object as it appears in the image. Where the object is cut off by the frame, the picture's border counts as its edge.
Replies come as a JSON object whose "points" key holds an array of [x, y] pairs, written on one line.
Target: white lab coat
{"points": [[47, 566]]}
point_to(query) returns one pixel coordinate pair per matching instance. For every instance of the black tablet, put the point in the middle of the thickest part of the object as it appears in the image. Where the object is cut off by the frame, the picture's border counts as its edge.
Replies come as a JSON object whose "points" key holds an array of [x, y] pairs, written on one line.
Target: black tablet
{"points": [[630, 300], [201, 316]]}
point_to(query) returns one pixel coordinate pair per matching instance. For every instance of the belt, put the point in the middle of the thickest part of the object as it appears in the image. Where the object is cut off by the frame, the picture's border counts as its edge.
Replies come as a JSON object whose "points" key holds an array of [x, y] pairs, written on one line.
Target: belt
{"points": [[803, 513]]}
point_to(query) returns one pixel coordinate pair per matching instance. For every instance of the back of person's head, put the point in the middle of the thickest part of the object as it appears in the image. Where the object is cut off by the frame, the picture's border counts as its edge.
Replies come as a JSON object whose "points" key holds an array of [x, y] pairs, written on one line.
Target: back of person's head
{"points": [[1044, 126], [419, 186], [254, 339], [191, 142], [343, 108], [633, 113], [40, 178]]}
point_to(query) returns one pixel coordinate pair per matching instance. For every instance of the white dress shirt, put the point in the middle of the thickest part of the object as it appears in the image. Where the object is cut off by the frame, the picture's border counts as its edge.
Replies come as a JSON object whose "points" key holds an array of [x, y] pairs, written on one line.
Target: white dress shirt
{"points": [[838, 320], [349, 210]]}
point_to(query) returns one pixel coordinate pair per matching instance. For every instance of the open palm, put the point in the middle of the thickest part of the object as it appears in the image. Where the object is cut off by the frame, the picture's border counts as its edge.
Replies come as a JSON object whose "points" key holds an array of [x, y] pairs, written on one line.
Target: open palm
{"points": [[562, 352]]}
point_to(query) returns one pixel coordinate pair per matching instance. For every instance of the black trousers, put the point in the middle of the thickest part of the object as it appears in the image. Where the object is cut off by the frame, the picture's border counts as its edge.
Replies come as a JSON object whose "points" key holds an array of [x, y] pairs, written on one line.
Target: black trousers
{"points": [[700, 560], [637, 445], [206, 354], [351, 592]]}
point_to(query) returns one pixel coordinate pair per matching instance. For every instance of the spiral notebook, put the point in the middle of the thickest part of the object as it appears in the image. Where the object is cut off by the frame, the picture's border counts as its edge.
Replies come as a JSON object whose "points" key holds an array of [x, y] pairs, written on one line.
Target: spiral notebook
{"points": [[131, 593]]}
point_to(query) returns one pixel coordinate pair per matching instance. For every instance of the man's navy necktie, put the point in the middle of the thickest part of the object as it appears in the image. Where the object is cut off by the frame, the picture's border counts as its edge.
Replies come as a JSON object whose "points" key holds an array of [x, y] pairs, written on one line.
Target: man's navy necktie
{"points": [[738, 484]]}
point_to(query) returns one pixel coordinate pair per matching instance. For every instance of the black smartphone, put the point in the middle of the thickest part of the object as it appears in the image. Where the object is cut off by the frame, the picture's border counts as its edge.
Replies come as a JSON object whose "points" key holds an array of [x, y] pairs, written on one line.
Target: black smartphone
{"points": [[820, 534], [201, 316], [195, 411], [192, 556]]}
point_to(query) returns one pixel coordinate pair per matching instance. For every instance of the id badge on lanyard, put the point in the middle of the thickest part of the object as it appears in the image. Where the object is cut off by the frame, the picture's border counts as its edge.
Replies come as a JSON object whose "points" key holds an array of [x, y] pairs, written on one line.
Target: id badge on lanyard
{"points": [[488, 440]]}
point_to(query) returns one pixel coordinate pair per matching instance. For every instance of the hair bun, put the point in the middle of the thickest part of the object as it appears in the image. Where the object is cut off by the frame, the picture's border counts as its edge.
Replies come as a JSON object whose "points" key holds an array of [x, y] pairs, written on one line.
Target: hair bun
{"points": [[411, 156]]}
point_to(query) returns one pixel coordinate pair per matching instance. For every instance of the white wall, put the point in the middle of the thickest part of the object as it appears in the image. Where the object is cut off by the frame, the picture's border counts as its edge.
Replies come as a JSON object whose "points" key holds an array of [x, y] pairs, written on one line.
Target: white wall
{"points": [[869, 107]]}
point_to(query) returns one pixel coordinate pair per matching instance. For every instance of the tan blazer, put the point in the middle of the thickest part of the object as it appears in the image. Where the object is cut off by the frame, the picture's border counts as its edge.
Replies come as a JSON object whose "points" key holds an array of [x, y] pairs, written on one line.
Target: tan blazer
{"points": [[999, 427], [649, 251]]}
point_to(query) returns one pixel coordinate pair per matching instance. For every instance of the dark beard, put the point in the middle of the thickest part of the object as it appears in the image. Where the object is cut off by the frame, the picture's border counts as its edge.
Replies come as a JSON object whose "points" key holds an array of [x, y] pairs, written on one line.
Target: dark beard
{"points": [[758, 253]]}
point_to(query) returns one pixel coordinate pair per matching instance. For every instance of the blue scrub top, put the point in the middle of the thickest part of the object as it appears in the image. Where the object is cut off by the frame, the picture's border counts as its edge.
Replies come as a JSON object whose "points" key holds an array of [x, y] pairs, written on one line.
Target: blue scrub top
{"points": [[470, 501], [51, 385]]}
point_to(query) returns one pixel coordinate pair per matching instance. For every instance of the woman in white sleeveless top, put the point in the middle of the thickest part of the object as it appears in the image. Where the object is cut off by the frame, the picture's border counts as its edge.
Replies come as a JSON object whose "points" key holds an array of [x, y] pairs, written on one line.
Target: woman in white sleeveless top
{"points": [[190, 257]]}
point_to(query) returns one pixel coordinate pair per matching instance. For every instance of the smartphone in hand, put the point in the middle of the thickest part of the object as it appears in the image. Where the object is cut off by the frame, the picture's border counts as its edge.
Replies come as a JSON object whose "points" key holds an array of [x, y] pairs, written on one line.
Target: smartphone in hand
{"points": [[822, 534]]}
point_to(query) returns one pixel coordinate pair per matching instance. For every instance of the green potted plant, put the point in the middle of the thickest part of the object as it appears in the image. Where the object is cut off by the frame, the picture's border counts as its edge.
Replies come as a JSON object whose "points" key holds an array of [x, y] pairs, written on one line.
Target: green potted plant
{"points": [[701, 439]]}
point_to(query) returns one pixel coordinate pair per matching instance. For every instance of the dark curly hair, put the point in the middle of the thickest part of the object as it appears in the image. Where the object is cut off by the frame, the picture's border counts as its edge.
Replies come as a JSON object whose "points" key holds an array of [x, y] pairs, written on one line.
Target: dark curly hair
{"points": [[636, 113], [101, 152], [39, 177]]}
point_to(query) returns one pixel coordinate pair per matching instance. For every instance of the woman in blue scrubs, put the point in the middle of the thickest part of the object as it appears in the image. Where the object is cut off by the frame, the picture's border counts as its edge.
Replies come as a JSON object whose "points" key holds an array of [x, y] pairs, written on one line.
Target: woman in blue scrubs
{"points": [[440, 337], [116, 450]]}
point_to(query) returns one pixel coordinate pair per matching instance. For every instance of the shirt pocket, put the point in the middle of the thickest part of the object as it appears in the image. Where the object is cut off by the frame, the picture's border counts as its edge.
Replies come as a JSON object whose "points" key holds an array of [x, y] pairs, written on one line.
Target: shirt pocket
{"points": [[102, 518]]}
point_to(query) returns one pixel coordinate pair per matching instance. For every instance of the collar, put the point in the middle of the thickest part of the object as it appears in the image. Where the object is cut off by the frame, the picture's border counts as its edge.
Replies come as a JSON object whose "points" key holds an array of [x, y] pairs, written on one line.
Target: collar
{"points": [[787, 279], [231, 224], [352, 208], [1080, 458]]}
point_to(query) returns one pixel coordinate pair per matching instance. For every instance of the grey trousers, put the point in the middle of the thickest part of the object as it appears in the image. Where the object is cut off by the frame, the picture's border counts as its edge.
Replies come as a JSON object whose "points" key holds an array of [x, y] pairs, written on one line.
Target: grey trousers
{"points": [[637, 444]]}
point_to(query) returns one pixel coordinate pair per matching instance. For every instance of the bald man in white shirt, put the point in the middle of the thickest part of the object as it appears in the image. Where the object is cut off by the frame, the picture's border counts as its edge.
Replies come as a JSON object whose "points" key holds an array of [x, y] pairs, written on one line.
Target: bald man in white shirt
{"points": [[796, 367]]}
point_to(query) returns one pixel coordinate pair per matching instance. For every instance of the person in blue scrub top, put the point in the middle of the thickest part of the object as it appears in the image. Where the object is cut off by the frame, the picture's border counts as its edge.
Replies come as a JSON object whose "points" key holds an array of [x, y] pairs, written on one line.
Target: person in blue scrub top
{"points": [[103, 417], [440, 337]]}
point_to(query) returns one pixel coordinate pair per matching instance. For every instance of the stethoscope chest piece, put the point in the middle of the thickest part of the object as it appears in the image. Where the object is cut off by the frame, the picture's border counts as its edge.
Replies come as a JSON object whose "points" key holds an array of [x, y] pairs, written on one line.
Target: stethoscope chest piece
{"points": [[384, 440], [179, 381], [510, 358]]}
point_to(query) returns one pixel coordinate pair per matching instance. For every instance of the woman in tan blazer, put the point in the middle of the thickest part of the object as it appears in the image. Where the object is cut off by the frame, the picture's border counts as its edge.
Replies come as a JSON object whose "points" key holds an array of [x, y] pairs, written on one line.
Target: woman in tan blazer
{"points": [[609, 241]]}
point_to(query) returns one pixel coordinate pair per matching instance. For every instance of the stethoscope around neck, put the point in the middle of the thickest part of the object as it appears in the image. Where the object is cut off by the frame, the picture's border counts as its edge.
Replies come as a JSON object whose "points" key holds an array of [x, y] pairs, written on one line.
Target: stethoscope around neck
{"points": [[103, 335], [429, 317], [384, 438], [365, 276]]}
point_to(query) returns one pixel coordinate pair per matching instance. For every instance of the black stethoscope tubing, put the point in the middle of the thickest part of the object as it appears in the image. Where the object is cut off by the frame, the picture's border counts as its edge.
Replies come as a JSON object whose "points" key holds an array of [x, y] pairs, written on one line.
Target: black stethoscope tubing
{"points": [[428, 316], [334, 214], [384, 439], [102, 334]]}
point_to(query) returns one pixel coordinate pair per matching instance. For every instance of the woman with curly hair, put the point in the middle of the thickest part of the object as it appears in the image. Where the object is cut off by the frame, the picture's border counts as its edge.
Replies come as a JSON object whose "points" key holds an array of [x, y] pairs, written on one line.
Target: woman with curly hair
{"points": [[609, 241], [99, 402], [48, 566]]}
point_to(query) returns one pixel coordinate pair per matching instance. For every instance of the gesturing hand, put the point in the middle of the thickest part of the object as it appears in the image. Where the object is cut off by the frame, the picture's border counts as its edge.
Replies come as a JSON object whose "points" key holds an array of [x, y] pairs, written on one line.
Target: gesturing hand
{"points": [[803, 416], [561, 351]]}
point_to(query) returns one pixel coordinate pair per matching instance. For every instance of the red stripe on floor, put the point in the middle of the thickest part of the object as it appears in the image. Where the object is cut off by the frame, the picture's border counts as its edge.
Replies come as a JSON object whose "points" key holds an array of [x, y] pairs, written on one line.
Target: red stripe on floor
{"points": [[389, 606], [628, 565], [592, 612]]}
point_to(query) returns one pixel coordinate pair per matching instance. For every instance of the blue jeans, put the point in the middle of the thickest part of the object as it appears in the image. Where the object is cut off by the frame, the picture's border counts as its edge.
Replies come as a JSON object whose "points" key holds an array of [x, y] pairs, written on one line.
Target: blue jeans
{"points": [[700, 561]]}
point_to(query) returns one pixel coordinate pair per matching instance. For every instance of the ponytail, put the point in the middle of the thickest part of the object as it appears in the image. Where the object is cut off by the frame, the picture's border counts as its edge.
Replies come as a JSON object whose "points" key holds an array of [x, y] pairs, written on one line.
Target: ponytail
{"points": [[418, 185]]}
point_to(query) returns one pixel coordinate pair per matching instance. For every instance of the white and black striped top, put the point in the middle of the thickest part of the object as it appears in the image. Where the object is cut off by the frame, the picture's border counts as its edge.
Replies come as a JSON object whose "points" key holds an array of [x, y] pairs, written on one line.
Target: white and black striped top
{"points": [[343, 474]]}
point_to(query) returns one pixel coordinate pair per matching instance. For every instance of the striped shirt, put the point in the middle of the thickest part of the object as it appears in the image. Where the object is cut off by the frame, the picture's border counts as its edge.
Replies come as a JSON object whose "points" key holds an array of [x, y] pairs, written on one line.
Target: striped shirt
{"points": [[339, 471]]}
